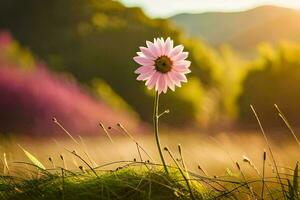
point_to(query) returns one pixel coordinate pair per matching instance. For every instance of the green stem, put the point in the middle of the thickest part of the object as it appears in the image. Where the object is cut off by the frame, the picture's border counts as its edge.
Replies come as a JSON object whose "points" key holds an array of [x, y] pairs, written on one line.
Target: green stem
{"points": [[155, 123]]}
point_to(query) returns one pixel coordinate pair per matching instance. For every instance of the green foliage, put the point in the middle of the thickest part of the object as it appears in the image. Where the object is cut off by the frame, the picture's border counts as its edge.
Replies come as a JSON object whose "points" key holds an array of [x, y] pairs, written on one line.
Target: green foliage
{"points": [[273, 79], [14, 54], [233, 69], [110, 97], [121, 184], [187, 101], [293, 188], [97, 39], [94, 41], [33, 159]]}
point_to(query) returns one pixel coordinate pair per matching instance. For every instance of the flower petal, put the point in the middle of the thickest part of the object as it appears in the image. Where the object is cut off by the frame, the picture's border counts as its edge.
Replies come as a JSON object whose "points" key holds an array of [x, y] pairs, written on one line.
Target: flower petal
{"points": [[151, 82], [152, 48], [182, 70], [182, 64], [144, 69], [174, 78], [165, 76], [158, 44], [180, 56], [168, 46], [140, 54], [174, 52], [143, 60], [160, 84], [145, 76], [179, 76], [169, 81], [147, 52]]}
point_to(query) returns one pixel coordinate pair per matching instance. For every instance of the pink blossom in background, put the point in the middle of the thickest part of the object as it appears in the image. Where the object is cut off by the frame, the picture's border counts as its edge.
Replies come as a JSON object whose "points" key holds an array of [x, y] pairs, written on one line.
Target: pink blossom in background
{"points": [[29, 99], [5, 39]]}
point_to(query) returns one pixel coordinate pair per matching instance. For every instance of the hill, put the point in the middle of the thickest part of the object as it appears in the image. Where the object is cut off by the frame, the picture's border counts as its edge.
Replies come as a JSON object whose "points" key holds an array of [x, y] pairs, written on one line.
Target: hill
{"points": [[243, 30], [31, 96], [95, 41]]}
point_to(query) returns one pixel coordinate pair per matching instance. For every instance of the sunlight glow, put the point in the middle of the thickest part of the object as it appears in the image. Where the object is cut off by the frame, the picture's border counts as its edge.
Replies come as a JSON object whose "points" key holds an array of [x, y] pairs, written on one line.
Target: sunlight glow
{"points": [[166, 8]]}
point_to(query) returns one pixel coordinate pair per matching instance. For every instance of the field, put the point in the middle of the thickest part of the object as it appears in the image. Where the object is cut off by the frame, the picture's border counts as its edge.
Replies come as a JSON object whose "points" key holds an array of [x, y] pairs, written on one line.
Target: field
{"points": [[125, 171], [140, 99]]}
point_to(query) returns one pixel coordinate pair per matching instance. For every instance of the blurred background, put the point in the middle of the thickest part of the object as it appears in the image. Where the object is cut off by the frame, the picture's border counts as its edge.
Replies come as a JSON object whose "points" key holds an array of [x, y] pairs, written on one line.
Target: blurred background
{"points": [[72, 59]]}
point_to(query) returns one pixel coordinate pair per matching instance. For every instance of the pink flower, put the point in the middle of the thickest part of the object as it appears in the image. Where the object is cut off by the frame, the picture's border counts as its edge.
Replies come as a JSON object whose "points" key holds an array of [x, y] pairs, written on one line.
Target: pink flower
{"points": [[163, 66]]}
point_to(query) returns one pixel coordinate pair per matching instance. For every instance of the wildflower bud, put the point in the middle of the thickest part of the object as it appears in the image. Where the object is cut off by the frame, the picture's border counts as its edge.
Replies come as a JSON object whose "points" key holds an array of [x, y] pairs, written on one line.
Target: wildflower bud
{"points": [[238, 166], [54, 119], [246, 159], [179, 148], [101, 125]]}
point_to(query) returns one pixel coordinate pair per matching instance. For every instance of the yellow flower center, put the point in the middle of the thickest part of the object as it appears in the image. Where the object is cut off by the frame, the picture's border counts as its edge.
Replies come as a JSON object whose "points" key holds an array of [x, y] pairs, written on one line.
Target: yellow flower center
{"points": [[163, 64]]}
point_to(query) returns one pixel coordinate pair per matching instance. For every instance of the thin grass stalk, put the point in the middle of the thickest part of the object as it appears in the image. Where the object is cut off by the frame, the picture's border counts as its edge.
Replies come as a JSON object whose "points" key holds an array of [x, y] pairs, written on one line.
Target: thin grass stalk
{"points": [[245, 180], [85, 151], [284, 119], [155, 123], [139, 152], [106, 132], [69, 134], [78, 156], [134, 140], [270, 150], [63, 161], [5, 165], [182, 173], [65, 130], [63, 184], [182, 161], [52, 162], [251, 164], [263, 174], [202, 170]]}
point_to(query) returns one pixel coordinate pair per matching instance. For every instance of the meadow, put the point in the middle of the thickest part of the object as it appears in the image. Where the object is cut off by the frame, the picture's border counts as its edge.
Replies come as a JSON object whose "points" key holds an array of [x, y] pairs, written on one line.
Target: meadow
{"points": [[121, 165], [101, 101]]}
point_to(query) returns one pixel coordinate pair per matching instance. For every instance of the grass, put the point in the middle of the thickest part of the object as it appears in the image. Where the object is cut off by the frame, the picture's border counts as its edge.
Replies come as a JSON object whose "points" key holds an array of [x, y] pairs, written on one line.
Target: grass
{"points": [[143, 178], [124, 183], [72, 175], [140, 180]]}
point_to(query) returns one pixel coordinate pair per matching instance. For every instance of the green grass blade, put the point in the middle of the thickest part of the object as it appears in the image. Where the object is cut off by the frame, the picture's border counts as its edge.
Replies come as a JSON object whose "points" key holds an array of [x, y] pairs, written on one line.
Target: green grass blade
{"points": [[295, 182], [290, 194], [33, 159]]}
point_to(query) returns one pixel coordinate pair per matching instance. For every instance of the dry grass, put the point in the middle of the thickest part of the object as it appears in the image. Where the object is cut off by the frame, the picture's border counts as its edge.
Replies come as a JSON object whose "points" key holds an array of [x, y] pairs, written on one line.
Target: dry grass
{"points": [[231, 162], [213, 153]]}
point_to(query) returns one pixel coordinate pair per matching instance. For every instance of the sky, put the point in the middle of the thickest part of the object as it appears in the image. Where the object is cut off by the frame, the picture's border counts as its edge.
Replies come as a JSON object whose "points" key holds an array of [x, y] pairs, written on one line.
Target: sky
{"points": [[166, 8]]}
